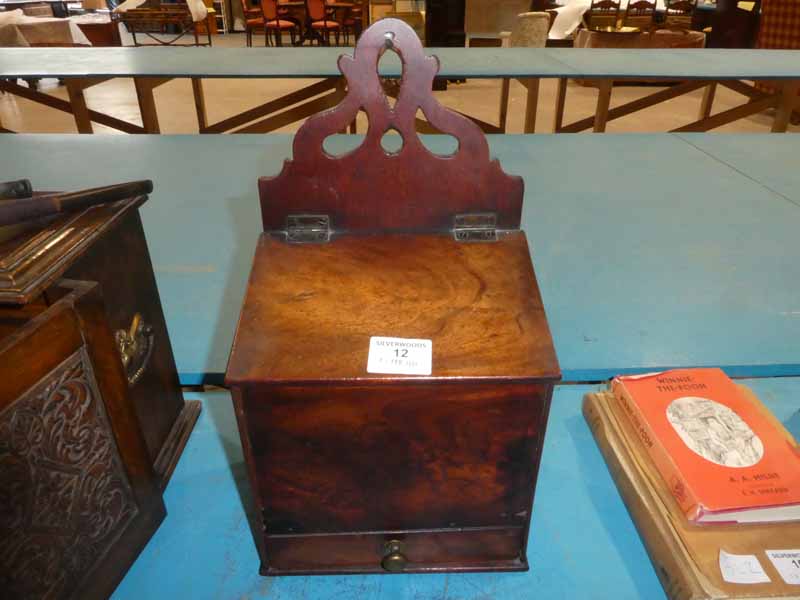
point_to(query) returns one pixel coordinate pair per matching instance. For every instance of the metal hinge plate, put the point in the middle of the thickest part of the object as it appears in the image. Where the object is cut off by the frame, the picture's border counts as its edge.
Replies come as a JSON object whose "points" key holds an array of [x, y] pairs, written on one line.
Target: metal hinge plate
{"points": [[308, 229], [475, 227]]}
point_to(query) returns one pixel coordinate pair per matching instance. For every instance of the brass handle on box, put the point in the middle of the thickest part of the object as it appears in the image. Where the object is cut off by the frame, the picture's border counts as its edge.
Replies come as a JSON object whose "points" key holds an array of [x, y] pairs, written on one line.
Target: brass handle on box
{"points": [[394, 560], [135, 348]]}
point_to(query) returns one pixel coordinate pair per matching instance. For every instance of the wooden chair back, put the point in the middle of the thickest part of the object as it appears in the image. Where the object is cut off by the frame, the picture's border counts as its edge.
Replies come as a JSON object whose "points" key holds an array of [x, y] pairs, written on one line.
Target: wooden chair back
{"points": [[270, 10], [602, 14], [315, 9], [639, 13]]}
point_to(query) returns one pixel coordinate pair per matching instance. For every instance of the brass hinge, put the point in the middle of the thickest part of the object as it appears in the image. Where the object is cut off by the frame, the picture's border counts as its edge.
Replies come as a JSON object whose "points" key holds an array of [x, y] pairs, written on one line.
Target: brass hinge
{"points": [[475, 227], [305, 229]]}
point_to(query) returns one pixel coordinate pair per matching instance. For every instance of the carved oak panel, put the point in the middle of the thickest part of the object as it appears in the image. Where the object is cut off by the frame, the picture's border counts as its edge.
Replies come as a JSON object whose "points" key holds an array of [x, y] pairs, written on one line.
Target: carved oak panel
{"points": [[64, 495]]}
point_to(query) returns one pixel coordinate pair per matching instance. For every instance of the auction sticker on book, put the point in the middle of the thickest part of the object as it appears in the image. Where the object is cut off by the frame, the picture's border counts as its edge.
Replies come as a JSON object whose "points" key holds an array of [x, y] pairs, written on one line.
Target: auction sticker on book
{"points": [[399, 356], [787, 563]]}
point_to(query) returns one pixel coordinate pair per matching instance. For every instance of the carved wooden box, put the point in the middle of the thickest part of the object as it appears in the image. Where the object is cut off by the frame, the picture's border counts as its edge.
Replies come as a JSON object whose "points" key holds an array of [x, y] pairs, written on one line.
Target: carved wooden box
{"points": [[358, 465], [78, 495], [106, 244]]}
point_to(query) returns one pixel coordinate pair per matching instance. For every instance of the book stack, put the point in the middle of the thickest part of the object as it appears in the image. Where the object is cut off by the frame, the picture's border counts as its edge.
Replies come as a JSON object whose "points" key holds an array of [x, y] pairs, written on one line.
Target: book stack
{"points": [[711, 479]]}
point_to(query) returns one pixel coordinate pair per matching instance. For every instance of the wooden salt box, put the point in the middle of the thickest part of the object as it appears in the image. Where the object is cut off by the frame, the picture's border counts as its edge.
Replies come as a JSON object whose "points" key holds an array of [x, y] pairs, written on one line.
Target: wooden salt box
{"points": [[393, 367]]}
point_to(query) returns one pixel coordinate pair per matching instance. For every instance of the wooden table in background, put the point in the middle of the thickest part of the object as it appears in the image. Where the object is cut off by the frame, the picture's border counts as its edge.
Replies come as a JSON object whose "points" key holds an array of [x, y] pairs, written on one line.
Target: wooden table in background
{"points": [[150, 67]]}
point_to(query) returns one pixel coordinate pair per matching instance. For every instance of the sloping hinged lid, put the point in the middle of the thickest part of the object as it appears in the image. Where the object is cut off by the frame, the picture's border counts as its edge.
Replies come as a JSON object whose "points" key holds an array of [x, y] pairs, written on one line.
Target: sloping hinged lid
{"points": [[35, 253]]}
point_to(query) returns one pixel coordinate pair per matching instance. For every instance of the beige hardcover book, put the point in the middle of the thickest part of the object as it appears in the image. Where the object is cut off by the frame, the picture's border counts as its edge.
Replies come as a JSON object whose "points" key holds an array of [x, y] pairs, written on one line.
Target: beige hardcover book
{"points": [[686, 557]]}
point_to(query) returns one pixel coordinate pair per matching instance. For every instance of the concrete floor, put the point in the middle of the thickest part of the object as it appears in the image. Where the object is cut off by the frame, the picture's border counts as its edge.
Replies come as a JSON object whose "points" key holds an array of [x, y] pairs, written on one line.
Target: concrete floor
{"points": [[479, 98]]}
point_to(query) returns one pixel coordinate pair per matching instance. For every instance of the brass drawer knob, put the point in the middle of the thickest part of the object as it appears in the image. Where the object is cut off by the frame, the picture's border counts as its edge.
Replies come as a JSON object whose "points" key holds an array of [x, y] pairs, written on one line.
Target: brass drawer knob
{"points": [[394, 560]]}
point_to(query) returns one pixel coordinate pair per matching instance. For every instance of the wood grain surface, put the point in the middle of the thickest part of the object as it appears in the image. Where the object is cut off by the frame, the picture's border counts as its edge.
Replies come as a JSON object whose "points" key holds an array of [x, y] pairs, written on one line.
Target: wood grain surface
{"points": [[400, 457], [310, 309]]}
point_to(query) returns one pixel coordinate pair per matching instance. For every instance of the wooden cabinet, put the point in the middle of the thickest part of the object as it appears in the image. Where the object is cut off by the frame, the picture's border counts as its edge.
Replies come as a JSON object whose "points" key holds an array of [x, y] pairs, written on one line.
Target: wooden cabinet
{"points": [[732, 26], [78, 495], [337, 451], [358, 468], [106, 244]]}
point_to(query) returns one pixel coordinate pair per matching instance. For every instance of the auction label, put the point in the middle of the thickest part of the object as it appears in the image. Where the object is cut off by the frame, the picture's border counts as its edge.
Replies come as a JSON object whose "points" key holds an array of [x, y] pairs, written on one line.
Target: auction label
{"points": [[787, 563], [399, 356], [741, 568]]}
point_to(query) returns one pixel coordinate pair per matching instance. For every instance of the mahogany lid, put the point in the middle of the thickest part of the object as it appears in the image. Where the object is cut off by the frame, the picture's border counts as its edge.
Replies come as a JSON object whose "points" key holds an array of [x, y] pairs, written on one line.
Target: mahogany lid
{"points": [[310, 310]]}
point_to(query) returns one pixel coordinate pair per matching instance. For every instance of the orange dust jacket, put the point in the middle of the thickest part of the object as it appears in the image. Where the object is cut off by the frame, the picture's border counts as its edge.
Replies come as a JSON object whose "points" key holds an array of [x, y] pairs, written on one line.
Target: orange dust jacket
{"points": [[721, 455]]}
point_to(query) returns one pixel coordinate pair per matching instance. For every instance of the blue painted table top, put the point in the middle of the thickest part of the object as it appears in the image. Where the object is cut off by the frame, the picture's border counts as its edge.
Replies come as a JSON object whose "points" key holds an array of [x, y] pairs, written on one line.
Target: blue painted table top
{"points": [[582, 544], [651, 251], [455, 62]]}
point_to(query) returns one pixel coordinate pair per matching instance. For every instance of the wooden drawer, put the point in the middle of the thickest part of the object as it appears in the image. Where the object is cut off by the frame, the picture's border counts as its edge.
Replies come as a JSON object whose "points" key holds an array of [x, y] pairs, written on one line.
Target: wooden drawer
{"points": [[465, 550]]}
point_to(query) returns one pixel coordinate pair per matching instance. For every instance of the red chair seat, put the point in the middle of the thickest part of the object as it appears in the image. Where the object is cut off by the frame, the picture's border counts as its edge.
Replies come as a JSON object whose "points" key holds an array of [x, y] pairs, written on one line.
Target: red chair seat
{"points": [[255, 22], [325, 25], [280, 24]]}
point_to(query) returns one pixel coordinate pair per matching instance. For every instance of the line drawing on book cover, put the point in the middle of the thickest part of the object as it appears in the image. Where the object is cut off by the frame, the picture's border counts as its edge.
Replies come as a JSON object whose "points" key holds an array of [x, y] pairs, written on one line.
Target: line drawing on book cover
{"points": [[715, 432]]}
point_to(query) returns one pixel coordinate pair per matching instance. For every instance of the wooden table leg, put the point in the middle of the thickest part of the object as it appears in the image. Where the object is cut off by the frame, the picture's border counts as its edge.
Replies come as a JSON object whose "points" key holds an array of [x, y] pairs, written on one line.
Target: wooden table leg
{"points": [[200, 104], [77, 101], [561, 101], [504, 93], [603, 103], [531, 104], [147, 103], [76, 87], [786, 104], [708, 101]]}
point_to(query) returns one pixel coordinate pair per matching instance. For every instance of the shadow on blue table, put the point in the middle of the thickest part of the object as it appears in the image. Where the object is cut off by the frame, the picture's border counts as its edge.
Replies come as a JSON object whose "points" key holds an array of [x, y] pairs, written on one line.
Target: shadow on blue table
{"points": [[241, 212], [610, 512], [220, 411]]}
